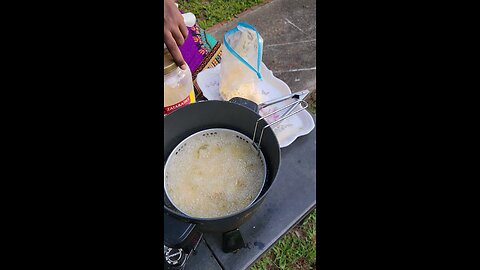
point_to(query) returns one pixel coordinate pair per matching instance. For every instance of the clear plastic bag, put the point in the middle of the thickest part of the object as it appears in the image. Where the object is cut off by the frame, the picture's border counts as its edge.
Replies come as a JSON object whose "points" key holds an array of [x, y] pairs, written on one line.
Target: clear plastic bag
{"points": [[241, 58]]}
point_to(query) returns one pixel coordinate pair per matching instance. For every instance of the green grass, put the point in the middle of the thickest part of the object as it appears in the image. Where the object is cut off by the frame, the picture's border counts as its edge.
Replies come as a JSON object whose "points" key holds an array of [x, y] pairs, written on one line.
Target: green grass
{"points": [[295, 251], [211, 12]]}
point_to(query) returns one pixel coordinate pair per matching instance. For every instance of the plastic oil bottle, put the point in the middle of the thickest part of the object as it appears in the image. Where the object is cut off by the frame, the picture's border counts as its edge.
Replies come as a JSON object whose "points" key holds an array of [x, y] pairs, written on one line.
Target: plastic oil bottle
{"points": [[177, 85]]}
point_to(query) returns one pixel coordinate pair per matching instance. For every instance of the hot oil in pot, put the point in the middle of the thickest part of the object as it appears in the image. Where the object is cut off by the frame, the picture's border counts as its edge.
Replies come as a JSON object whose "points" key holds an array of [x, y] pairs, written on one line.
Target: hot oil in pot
{"points": [[214, 175]]}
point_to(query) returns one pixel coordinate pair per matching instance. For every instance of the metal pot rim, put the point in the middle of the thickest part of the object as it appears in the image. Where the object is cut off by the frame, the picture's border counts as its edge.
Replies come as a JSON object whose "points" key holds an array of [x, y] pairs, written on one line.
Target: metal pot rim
{"points": [[250, 141]]}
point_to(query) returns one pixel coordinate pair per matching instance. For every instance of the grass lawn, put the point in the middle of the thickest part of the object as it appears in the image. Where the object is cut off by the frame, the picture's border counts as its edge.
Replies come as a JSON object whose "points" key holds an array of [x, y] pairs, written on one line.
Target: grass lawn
{"points": [[210, 12], [297, 249]]}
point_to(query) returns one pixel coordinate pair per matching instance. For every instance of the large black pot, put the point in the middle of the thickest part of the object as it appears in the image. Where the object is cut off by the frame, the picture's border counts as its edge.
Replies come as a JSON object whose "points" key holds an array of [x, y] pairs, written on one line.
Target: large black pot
{"points": [[220, 114]]}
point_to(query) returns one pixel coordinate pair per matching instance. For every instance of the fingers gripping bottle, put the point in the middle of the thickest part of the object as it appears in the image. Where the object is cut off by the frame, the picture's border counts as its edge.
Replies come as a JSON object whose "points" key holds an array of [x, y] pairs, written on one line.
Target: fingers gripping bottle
{"points": [[178, 86]]}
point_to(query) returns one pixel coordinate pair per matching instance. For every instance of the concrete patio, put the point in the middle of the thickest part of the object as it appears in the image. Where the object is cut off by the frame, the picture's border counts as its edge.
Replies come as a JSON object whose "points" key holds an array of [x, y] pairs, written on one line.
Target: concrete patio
{"points": [[289, 32]]}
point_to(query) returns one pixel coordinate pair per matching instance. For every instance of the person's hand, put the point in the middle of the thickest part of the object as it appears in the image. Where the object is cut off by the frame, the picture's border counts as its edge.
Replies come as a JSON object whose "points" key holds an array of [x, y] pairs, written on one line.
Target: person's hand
{"points": [[174, 31]]}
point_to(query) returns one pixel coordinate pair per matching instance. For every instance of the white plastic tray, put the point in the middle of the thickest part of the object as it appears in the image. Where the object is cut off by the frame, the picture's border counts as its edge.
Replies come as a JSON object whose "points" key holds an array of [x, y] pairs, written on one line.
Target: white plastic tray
{"points": [[288, 130]]}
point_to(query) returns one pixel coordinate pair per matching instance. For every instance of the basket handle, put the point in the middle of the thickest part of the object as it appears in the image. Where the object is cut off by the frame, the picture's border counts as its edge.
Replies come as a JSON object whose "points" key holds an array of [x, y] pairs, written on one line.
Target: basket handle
{"points": [[289, 114]]}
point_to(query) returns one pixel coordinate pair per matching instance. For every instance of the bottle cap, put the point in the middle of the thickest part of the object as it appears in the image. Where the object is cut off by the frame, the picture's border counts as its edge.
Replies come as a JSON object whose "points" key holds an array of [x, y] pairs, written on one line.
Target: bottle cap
{"points": [[189, 19]]}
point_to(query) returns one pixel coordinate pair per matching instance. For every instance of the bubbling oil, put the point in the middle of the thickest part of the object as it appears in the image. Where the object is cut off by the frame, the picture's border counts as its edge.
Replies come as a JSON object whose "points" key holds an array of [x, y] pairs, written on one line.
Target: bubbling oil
{"points": [[215, 174]]}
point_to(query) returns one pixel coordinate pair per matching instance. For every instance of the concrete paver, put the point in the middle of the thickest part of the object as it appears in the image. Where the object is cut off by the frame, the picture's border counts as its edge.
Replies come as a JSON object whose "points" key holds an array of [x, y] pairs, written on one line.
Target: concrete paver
{"points": [[289, 31]]}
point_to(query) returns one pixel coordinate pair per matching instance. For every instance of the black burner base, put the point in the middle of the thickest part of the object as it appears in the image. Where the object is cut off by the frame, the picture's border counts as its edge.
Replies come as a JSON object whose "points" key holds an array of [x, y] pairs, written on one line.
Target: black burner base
{"points": [[180, 241], [232, 241]]}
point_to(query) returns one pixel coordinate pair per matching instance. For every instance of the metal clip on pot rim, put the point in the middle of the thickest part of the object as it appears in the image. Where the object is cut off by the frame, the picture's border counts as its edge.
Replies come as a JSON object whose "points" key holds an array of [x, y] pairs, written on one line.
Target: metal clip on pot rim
{"points": [[288, 114]]}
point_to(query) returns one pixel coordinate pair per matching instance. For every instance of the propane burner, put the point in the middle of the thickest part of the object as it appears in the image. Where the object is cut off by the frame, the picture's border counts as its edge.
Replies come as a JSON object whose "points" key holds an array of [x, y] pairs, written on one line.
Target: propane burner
{"points": [[180, 242]]}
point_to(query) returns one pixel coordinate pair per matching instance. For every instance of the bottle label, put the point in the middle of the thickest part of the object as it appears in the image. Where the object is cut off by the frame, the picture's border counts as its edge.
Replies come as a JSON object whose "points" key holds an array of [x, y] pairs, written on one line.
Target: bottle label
{"points": [[188, 100]]}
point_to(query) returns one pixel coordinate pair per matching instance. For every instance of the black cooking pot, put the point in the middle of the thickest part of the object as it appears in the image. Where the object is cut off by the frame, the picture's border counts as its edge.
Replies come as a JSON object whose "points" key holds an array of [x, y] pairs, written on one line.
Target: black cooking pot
{"points": [[238, 115]]}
